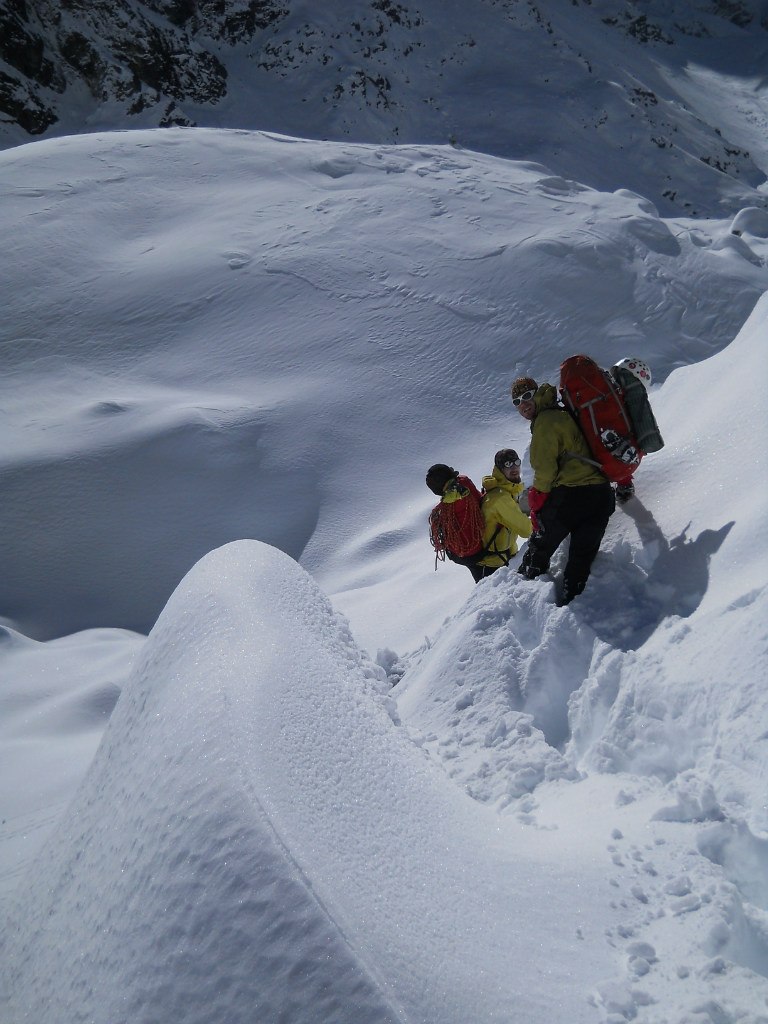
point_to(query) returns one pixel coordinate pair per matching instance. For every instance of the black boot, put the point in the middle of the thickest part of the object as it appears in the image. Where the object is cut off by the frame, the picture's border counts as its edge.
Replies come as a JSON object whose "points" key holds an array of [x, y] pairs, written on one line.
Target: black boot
{"points": [[531, 566], [569, 591]]}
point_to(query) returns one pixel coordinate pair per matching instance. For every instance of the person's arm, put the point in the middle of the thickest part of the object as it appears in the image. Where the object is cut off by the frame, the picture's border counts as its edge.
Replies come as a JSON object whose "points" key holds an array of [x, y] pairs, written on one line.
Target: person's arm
{"points": [[545, 452], [512, 516]]}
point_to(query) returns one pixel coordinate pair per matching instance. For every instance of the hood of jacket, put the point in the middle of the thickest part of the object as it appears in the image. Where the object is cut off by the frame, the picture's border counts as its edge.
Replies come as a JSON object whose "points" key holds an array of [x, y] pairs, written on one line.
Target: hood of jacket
{"points": [[545, 397], [454, 490], [497, 479]]}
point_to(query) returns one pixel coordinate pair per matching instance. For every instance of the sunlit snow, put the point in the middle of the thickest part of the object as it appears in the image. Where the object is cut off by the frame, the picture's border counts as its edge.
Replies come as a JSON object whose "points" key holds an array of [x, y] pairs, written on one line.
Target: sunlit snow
{"points": [[229, 359]]}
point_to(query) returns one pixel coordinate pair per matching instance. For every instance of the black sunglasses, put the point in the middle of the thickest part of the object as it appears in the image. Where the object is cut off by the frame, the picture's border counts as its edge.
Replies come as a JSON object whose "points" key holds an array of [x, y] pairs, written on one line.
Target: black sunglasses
{"points": [[510, 463]]}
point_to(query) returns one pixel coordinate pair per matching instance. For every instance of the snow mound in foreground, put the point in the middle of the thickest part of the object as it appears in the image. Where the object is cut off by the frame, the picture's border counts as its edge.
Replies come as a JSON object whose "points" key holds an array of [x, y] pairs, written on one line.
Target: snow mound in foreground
{"points": [[257, 839]]}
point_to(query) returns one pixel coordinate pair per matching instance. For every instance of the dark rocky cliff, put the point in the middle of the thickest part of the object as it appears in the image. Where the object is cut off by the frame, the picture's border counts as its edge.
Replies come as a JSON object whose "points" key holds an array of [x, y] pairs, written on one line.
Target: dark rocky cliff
{"points": [[581, 85]]}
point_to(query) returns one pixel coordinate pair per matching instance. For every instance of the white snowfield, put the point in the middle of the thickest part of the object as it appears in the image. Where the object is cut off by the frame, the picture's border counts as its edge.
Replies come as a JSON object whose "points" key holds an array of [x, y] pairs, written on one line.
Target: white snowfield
{"points": [[554, 815], [214, 335]]}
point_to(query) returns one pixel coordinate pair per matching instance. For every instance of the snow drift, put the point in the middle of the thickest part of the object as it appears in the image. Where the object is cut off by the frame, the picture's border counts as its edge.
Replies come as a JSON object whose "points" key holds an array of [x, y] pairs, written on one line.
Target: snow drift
{"points": [[257, 838], [256, 805], [640, 711]]}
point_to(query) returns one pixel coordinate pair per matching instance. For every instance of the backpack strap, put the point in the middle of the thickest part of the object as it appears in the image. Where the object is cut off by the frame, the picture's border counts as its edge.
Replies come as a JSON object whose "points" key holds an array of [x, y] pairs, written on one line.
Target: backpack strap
{"points": [[491, 548], [582, 458]]}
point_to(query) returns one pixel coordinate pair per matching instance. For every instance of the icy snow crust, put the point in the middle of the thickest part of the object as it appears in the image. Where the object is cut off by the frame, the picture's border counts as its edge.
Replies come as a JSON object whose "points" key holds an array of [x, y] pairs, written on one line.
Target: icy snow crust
{"points": [[555, 814]]}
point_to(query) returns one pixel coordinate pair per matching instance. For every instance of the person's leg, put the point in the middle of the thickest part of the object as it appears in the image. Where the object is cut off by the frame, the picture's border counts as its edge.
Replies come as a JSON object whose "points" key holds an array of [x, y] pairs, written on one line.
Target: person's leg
{"points": [[553, 529], [625, 489], [593, 507], [478, 572]]}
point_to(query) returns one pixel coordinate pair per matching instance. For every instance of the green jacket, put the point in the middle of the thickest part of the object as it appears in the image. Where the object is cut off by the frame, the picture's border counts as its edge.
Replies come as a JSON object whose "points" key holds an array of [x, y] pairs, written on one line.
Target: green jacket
{"points": [[500, 509], [554, 434]]}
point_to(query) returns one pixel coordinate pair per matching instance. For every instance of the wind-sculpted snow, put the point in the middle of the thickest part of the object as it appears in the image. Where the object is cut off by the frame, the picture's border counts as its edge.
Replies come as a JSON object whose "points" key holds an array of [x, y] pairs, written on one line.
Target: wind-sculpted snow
{"points": [[56, 700], [204, 329], [257, 839], [691, 697], [664, 98]]}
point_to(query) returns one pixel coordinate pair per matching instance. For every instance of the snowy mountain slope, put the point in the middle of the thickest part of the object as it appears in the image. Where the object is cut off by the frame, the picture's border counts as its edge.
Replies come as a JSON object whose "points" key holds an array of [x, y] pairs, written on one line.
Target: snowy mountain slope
{"points": [[665, 98], [256, 835], [639, 713], [56, 700], [691, 577], [211, 335], [253, 783], [204, 329]]}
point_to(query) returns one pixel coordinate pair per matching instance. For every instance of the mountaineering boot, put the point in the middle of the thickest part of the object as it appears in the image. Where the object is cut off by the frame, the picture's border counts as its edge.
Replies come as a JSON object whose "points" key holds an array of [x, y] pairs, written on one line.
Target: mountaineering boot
{"points": [[531, 566], [624, 491], [569, 591], [530, 572]]}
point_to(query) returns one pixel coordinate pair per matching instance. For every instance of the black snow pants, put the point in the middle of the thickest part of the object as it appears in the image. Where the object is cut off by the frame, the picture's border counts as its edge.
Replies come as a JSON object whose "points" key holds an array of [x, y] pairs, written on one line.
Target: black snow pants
{"points": [[581, 513]]}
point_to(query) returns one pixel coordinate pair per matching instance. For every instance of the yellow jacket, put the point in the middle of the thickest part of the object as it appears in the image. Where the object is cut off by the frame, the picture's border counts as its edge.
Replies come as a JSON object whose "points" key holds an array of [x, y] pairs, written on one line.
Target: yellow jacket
{"points": [[554, 433], [500, 509]]}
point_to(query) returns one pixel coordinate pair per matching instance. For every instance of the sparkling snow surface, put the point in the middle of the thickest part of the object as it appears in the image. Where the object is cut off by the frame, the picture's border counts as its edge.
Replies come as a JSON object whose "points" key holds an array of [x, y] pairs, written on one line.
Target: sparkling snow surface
{"points": [[229, 359]]}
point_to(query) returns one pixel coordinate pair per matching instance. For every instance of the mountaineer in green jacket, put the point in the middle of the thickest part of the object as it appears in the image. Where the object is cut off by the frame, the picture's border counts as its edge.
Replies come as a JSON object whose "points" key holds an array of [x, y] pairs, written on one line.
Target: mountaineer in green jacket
{"points": [[570, 496]]}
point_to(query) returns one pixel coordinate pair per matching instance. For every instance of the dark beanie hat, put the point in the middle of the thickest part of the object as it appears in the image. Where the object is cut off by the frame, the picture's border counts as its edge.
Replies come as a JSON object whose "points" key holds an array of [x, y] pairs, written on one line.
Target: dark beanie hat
{"points": [[503, 458], [439, 475]]}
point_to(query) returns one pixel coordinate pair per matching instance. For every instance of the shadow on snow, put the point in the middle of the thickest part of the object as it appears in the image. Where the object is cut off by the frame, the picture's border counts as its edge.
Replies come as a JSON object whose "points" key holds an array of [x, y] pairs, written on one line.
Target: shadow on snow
{"points": [[664, 578]]}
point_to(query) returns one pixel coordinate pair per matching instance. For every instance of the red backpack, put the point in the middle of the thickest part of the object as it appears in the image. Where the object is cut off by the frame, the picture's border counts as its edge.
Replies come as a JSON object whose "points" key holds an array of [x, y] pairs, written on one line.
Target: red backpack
{"points": [[596, 402], [456, 527]]}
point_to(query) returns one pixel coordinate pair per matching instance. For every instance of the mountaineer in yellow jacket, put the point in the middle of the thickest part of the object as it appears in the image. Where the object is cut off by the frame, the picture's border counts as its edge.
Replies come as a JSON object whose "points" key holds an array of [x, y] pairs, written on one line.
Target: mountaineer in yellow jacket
{"points": [[489, 523], [505, 521]]}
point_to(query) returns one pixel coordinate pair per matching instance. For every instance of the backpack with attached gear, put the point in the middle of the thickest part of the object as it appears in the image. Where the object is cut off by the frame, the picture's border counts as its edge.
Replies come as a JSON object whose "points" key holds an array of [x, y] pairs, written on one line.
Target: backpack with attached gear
{"points": [[596, 402], [456, 527], [634, 385]]}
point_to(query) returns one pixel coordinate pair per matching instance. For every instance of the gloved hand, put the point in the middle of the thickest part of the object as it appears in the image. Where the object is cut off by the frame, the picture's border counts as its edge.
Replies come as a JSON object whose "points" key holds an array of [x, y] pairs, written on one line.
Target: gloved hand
{"points": [[536, 501]]}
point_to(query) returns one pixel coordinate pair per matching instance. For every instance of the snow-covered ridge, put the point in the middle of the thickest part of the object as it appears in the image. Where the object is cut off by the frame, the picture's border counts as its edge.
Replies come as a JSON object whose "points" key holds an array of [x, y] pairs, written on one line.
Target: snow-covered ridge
{"points": [[256, 802], [652, 673], [663, 97], [653, 679]]}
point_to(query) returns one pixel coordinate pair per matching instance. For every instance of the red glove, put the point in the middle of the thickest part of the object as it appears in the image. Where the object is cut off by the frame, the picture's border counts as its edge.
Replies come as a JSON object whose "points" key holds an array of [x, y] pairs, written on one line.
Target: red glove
{"points": [[536, 500]]}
